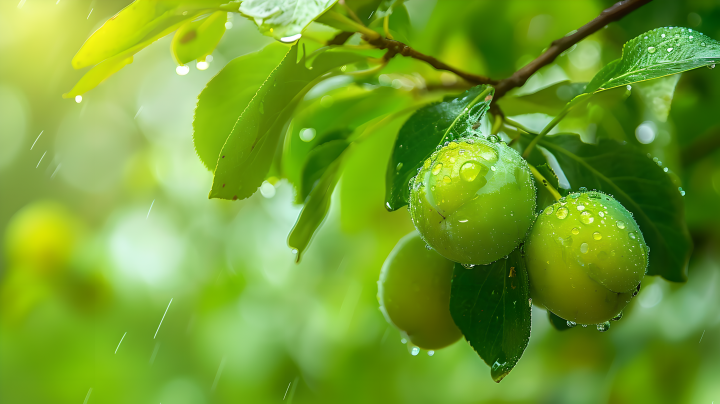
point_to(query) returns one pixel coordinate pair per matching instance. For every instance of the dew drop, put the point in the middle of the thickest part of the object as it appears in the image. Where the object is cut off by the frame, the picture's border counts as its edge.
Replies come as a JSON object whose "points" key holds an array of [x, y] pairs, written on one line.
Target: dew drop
{"points": [[632, 235], [682, 193], [602, 327], [586, 217], [437, 168], [581, 207], [618, 317], [575, 231], [469, 171], [447, 179], [431, 353], [571, 324], [78, 99], [670, 49], [182, 70], [662, 35], [399, 166], [404, 341], [549, 210], [620, 224], [597, 235], [415, 351], [712, 66], [493, 168], [584, 248], [651, 49], [562, 212]]}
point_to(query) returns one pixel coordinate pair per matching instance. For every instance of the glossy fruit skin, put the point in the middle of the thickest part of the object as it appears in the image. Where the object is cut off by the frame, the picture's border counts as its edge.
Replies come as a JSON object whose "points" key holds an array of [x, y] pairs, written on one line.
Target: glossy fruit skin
{"points": [[585, 257], [414, 293], [473, 201]]}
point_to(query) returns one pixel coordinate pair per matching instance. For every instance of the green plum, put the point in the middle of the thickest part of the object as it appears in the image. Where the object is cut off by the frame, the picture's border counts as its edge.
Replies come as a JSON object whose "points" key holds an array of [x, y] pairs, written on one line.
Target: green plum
{"points": [[473, 201], [414, 293], [586, 258]]}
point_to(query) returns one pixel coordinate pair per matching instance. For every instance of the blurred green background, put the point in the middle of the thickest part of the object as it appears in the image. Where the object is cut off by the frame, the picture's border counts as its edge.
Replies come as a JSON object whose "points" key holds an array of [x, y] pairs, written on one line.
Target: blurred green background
{"points": [[104, 219]]}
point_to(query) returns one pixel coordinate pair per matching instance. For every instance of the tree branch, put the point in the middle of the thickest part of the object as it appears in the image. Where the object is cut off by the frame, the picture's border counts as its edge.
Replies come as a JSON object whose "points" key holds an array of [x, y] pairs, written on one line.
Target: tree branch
{"points": [[396, 47], [614, 13]]}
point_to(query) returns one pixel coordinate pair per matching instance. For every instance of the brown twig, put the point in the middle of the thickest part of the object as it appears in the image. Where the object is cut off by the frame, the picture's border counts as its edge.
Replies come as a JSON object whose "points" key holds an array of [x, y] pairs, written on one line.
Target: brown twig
{"points": [[398, 48], [614, 13]]}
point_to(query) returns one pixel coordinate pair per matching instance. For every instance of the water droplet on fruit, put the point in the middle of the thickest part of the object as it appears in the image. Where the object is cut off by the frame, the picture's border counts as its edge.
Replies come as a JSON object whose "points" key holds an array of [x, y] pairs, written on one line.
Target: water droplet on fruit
{"points": [[586, 217], [415, 351], [571, 324], [620, 224], [427, 247], [469, 171], [493, 168], [575, 231], [468, 266], [712, 66], [584, 248], [617, 317], [584, 325], [437, 168], [447, 179], [549, 210], [682, 193], [632, 235], [651, 49], [562, 212], [662, 35], [493, 138], [597, 235], [602, 327], [702, 44], [404, 341], [582, 189], [602, 214], [581, 207], [431, 353], [399, 166]]}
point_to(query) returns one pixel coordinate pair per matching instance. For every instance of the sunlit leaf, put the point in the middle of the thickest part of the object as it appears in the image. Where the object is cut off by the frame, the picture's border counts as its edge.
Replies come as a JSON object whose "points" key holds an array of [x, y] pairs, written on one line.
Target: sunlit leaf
{"points": [[491, 306], [197, 39], [641, 186], [284, 19], [98, 74], [226, 96], [657, 53], [428, 128], [249, 149], [137, 23]]}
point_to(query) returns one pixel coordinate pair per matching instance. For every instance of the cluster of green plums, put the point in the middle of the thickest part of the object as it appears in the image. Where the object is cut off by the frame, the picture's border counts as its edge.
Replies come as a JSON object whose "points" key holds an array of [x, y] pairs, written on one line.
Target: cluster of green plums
{"points": [[474, 202]]}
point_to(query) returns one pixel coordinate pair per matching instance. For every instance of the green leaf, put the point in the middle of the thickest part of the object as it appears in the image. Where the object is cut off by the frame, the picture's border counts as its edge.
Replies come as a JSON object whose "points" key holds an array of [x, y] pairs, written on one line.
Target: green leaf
{"points": [[135, 24], [225, 97], [548, 100], [657, 53], [491, 306], [315, 209], [639, 184], [284, 19], [558, 323], [249, 149], [657, 95], [318, 161], [98, 74], [197, 39], [333, 116], [428, 128]]}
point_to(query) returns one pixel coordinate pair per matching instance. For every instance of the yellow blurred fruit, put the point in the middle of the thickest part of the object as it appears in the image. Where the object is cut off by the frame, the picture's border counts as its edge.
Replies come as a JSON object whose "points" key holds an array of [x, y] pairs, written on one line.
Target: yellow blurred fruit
{"points": [[41, 237]]}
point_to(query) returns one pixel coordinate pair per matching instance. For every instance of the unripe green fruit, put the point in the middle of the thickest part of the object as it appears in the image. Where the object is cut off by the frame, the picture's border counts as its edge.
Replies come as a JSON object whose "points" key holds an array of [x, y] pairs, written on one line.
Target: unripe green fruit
{"points": [[414, 293], [586, 257], [473, 201]]}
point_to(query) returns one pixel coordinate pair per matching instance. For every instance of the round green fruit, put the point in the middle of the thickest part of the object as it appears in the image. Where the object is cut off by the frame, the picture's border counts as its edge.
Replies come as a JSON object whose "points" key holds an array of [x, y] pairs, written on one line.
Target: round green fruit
{"points": [[414, 293], [473, 201], [585, 257]]}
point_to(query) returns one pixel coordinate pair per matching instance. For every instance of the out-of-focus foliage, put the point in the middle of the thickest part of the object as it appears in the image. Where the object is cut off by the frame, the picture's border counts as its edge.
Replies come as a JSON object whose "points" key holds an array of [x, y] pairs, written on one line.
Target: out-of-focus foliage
{"points": [[246, 323]]}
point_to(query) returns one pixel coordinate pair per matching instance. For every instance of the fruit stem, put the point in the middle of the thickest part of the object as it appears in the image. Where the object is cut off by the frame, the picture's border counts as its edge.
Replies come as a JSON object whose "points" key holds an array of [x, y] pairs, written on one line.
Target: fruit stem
{"points": [[545, 182], [580, 99]]}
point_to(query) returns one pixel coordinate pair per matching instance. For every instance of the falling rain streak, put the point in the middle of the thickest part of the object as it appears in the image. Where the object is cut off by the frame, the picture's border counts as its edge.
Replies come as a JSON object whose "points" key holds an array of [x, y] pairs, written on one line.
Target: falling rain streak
{"points": [[148, 215], [163, 317], [33, 145], [121, 340], [41, 159]]}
